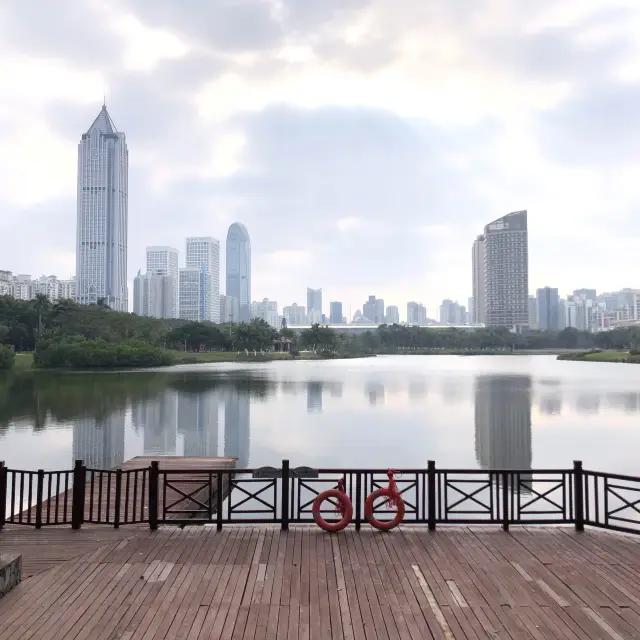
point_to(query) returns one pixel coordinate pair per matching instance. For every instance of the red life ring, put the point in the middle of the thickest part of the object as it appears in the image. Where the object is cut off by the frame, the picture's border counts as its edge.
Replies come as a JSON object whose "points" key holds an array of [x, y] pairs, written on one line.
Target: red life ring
{"points": [[344, 506], [384, 525]]}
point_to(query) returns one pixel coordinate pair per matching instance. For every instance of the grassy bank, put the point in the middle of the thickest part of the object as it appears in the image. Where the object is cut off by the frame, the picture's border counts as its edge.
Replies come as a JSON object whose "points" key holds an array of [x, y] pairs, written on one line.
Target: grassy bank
{"points": [[186, 357], [23, 361], [602, 356], [483, 352]]}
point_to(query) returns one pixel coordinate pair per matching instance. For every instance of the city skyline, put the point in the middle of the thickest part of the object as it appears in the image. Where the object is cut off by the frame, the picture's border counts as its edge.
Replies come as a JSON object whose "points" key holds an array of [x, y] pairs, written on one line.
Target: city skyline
{"points": [[361, 153]]}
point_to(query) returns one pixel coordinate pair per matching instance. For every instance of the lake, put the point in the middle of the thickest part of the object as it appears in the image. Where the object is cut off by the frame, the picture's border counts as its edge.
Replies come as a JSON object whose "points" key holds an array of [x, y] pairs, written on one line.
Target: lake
{"points": [[390, 411]]}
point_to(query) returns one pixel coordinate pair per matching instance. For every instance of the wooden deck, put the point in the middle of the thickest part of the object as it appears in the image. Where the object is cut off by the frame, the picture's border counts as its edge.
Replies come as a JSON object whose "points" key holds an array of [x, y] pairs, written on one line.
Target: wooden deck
{"points": [[260, 583]]}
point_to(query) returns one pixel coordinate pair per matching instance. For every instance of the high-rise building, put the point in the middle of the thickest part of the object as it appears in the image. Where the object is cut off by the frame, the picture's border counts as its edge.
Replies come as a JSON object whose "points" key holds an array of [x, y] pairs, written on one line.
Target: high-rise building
{"points": [[532, 306], [373, 310], [101, 236], [268, 311], [335, 312], [229, 309], [204, 253], [294, 314], [452, 313], [239, 268], [392, 315], [314, 305], [548, 309], [506, 262], [140, 294], [478, 312], [194, 288], [163, 261], [416, 313]]}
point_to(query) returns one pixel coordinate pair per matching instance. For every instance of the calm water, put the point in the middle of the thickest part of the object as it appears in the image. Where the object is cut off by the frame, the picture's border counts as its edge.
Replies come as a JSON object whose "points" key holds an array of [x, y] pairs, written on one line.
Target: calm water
{"points": [[394, 411]]}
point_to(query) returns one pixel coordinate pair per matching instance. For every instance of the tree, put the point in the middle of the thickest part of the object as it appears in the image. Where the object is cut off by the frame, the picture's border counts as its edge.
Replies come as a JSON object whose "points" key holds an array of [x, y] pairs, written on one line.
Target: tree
{"points": [[7, 357]]}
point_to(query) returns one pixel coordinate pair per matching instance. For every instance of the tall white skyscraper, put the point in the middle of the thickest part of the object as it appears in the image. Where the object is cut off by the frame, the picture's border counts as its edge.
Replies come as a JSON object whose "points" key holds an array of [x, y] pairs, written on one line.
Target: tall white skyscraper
{"points": [[101, 238], [204, 253], [477, 264], [163, 261]]}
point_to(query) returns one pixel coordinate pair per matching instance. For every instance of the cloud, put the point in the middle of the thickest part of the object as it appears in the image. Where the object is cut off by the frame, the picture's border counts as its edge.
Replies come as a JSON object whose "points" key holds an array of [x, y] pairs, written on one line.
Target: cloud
{"points": [[364, 143]]}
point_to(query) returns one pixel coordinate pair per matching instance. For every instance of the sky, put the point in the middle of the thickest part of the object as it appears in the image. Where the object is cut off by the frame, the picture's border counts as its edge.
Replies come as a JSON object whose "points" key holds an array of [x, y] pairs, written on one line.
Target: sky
{"points": [[364, 143]]}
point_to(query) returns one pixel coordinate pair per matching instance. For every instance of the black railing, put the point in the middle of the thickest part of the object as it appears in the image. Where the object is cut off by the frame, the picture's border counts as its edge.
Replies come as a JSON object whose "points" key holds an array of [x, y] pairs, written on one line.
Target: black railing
{"points": [[285, 495]]}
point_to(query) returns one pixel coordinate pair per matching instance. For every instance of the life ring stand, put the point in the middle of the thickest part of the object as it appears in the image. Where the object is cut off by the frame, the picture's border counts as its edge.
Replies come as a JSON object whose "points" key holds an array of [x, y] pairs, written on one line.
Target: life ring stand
{"points": [[345, 508], [393, 499]]}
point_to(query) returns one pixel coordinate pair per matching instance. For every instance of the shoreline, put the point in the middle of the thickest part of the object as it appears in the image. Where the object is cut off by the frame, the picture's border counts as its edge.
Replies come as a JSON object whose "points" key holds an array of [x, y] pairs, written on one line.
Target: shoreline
{"points": [[608, 356], [24, 360]]}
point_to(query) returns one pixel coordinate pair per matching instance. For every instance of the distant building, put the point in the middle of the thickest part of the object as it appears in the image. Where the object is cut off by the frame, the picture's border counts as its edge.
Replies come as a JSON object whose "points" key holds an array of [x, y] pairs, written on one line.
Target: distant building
{"points": [[452, 313], [102, 218], [203, 253], [373, 309], [141, 294], [478, 313], [416, 313], [314, 305], [587, 294], [392, 315], [548, 302], [163, 261], [507, 271], [229, 309], [294, 314], [335, 312], [268, 311], [239, 268], [532, 307], [23, 287], [194, 291]]}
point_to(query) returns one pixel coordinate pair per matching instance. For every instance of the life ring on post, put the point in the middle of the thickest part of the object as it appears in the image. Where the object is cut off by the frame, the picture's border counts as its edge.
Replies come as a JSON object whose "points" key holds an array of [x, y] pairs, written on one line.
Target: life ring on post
{"points": [[344, 508], [394, 499]]}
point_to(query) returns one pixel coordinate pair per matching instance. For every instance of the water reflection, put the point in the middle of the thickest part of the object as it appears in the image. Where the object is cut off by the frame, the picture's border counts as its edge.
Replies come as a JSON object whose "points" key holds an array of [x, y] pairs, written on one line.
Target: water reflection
{"points": [[426, 411], [503, 422]]}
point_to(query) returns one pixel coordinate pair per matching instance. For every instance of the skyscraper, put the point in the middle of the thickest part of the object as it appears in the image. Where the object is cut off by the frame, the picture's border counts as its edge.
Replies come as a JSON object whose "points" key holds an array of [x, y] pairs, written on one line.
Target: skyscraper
{"points": [[204, 254], [163, 261], [548, 309], [506, 272], [314, 305], [416, 313], [239, 268], [373, 310], [392, 315], [335, 312], [101, 236], [477, 263]]}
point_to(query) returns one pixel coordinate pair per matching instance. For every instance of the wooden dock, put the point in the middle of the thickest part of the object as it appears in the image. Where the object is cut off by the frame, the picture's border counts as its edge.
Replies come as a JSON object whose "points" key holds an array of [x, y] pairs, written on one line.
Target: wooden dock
{"points": [[261, 583], [103, 503]]}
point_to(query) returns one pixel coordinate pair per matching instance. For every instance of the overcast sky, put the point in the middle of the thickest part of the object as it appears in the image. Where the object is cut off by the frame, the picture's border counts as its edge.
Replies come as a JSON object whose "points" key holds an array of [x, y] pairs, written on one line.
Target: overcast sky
{"points": [[364, 143]]}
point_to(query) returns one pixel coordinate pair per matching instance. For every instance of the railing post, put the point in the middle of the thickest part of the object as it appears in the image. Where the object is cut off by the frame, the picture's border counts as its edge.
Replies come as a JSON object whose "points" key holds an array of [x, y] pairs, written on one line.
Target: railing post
{"points": [[578, 489], [285, 495], [116, 508], [358, 499], [219, 496], [431, 495], [3, 494], [39, 492], [154, 475], [78, 494], [505, 500]]}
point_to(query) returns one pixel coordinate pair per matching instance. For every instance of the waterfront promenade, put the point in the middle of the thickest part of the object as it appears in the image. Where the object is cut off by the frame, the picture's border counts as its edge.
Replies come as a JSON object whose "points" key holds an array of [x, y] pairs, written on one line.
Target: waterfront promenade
{"points": [[259, 582]]}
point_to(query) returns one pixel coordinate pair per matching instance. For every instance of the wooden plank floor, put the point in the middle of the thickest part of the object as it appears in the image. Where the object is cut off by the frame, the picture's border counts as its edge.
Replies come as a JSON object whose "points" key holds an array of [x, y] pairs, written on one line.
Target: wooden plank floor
{"points": [[260, 583]]}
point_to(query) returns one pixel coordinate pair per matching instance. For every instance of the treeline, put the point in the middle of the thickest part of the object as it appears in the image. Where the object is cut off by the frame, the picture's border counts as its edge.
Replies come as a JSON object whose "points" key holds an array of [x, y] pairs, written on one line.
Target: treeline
{"points": [[65, 334]]}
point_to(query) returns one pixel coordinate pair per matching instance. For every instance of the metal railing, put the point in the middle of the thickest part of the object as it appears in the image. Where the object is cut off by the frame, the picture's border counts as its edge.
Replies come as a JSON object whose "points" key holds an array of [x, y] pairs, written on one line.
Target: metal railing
{"points": [[285, 495]]}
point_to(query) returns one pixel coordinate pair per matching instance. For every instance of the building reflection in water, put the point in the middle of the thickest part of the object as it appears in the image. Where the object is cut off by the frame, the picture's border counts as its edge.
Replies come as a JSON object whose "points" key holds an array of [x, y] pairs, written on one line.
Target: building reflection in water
{"points": [[198, 423], [315, 390], [99, 442], [237, 418], [157, 420], [503, 422], [375, 393]]}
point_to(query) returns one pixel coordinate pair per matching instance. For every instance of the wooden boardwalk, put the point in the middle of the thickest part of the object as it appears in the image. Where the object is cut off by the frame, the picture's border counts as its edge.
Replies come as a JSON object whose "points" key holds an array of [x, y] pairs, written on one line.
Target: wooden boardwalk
{"points": [[260, 583]]}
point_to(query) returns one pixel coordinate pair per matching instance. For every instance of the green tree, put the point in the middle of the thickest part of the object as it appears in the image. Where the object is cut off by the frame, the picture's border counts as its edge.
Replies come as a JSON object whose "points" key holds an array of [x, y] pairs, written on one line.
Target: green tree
{"points": [[7, 357]]}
